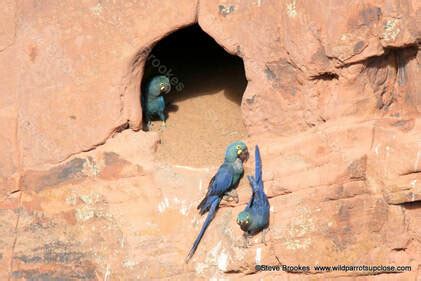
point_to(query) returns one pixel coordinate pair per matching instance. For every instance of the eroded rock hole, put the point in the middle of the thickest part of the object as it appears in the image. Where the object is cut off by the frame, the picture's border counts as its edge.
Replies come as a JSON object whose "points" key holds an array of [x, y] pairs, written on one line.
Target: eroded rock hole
{"points": [[203, 107], [326, 76]]}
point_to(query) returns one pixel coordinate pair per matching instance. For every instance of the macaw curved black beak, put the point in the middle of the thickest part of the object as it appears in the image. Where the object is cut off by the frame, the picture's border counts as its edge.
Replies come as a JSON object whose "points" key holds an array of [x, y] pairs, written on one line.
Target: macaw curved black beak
{"points": [[165, 89], [244, 155]]}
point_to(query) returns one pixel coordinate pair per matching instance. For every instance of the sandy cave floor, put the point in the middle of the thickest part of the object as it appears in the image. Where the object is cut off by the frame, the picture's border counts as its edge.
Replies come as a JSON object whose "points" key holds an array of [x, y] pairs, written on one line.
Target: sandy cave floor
{"points": [[199, 127]]}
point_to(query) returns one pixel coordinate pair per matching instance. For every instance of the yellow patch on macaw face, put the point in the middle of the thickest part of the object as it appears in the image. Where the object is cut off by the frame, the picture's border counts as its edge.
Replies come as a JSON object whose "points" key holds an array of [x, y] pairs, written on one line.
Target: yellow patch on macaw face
{"points": [[239, 150]]}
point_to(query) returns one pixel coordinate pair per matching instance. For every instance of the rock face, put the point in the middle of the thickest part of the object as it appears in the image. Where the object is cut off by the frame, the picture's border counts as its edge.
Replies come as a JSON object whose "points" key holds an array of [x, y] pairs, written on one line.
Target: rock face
{"points": [[333, 99]]}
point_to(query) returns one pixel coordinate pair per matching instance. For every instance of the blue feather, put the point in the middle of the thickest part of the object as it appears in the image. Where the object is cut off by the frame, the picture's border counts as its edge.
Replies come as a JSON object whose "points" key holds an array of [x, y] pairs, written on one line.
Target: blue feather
{"points": [[258, 167], [218, 186], [208, 220], [225, 179], [258, 207], [153, 103]]}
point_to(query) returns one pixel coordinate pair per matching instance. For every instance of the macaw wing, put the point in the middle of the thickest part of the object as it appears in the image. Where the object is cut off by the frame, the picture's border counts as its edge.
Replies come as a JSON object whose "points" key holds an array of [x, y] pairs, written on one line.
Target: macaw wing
{"points": [[222, 181], [258, 166], [219, 184], [255, 181]]}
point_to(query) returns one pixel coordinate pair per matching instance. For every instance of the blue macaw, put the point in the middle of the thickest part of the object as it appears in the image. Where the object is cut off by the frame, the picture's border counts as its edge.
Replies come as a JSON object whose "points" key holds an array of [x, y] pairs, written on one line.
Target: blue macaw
{"points": [[255, 217], [153, 102], [227, 177]]}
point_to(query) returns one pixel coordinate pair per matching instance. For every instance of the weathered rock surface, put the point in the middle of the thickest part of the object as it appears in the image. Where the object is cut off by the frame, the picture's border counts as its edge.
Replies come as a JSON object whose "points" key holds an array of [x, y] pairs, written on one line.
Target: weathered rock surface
{"points": [[333, 100]]}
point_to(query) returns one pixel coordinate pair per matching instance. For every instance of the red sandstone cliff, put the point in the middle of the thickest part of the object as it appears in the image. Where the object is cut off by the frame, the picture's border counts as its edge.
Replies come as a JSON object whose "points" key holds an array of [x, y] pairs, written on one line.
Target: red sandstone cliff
{"points": [[333, 99]]}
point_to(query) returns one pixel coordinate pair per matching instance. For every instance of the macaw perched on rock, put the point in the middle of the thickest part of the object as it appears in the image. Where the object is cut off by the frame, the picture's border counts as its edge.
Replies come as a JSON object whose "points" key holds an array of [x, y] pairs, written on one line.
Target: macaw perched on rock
{"points": [[227, 177], [153, 103], [255, 216]]}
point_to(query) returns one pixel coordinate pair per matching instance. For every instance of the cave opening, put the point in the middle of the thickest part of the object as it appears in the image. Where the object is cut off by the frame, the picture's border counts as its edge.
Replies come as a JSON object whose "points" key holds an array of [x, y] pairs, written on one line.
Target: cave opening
{"points": [[203, 107]]}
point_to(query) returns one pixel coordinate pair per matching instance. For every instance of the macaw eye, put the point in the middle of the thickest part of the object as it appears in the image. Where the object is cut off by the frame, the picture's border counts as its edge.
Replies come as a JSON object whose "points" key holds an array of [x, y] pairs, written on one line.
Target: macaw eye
{"points": [[161, 85]]}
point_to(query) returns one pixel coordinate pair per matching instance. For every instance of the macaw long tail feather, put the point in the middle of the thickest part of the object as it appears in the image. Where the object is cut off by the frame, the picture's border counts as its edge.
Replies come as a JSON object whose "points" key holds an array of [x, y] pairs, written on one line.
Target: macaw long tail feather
{"points": [[258, 165], [201, 205], [208, 220], [251, 179]]}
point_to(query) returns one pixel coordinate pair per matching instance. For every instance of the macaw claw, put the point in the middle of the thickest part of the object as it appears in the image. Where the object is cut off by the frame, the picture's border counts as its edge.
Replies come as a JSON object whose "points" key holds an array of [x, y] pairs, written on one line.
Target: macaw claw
{"points": [[231, 195], [149, 125]]}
